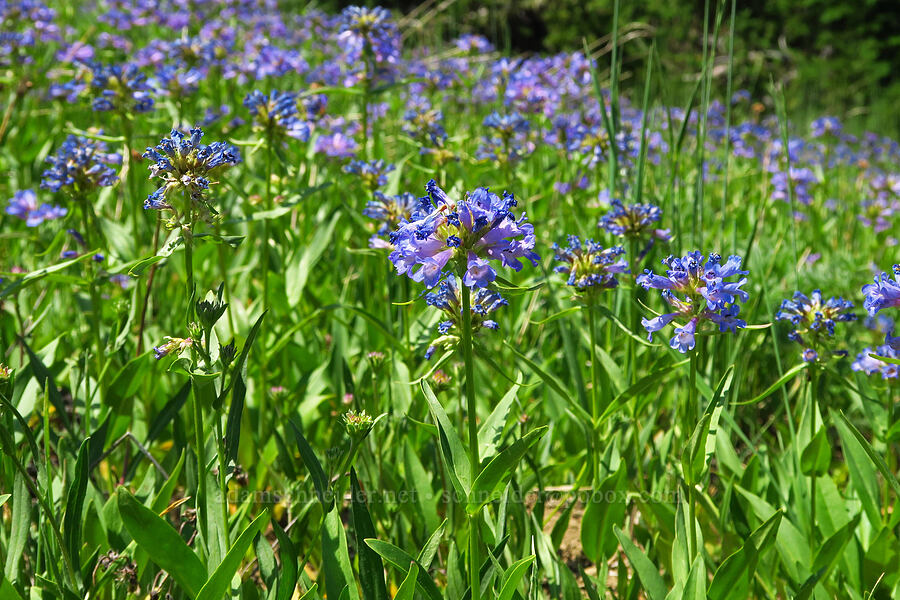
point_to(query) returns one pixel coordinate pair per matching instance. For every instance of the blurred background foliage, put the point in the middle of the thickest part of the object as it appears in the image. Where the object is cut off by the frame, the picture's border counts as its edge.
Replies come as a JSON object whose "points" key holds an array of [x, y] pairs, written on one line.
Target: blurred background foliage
{"points": [[832, 56]]}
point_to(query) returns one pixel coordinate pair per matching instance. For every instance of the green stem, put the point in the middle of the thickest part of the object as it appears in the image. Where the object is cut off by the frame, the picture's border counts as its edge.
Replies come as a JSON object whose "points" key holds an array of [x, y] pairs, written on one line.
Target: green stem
{"points": [[130, 181], [693, 550], [95, 311], [188, 235], [813, 394], [199, 438], [595, 392], [223, 484], [267, 234], [474, 463]]}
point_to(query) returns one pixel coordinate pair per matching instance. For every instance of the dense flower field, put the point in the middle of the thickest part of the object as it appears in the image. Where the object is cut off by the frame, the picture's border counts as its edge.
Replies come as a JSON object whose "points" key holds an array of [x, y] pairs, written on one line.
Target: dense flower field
{"points": [[294, 306]]}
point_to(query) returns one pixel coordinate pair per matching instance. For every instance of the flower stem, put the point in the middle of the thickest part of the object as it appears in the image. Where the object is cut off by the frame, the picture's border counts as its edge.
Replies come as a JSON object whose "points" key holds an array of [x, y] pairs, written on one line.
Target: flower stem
{"points": [[223, 484], [595, 392], [474, 463], [813, 393], [199, 438], [267, 234]]}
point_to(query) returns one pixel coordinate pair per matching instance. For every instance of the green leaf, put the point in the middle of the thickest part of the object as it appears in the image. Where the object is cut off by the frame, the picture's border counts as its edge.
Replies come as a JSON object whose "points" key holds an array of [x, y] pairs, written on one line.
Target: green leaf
{"points": [[336, 567], [695, 587], [162, 543], [816, 457], [451, 446], [491, 430], [407, 589], [693, 458], [493, 478], [648, 574], [320, 481], [219, 583], [733, 577], [303, 261], [401, 561], [860, 465], [72, 522], [371, 568], [287, 579], [513, 576], [554, 384], [788, 375], [792, 546], [20, 523], [233, 425], [429, 550], [17, 285], [600, 515], [870, 452]]}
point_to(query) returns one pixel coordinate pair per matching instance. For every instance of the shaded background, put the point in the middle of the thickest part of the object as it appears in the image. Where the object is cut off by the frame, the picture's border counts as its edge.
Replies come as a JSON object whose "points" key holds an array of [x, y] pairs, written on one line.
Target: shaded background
{"points": [[832, 56]]}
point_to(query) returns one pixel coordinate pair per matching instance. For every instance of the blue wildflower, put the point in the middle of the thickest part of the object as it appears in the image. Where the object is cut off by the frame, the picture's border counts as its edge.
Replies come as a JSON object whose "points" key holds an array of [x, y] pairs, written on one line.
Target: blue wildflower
{"points": [[447, 299], [365, 30], [373, 174], [463, 234], [24, 205], [699, 292], [634, 221], [120, 87], [276, 114], [80, 165], [172, 345], [186, 165], [869, 365], [590, 266], [508, 140], [814, 321], [884, 293]]}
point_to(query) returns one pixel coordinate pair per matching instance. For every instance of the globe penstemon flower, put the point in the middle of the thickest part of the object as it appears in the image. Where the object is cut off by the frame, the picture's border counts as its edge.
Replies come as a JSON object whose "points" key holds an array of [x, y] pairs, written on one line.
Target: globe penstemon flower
{"points": [[447, 298], [814, 321], [187, 168], [389, 211], [884, 293], [276, 115], [121, 88], [80, 166], [24, 205], [590, 267], [703, 299], [445, 236], [372, 174], [870, 365]]}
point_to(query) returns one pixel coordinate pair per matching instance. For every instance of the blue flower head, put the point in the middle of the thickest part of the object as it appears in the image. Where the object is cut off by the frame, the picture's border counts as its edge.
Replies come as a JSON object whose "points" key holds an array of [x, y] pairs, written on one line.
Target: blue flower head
{"points": [[869, 365], [635, 221], [372, 174], [814, 320], [699, 291], [277, 114], [447, 299], [24, 205], [80, 166], [389, 211], [591, 267], [884, 293], [186, 166], [120, 87], [369, 30], [445, 236]]}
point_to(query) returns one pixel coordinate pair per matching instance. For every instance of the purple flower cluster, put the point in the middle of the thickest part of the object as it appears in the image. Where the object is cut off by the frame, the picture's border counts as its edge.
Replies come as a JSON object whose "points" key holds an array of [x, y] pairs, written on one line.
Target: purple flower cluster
{"points": [[462, 235], [814, 321], [184, 164], [277, 114], [447, 299], [869, 365], [390, 211], [697, 289], [24, 205], [884, 293], [372, 174], [365, 30], [634, 221], [80, 165], [590, 266], [508, 141], [120, 87]]}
